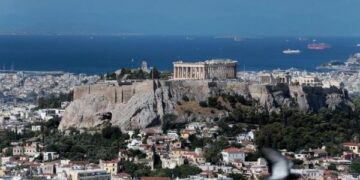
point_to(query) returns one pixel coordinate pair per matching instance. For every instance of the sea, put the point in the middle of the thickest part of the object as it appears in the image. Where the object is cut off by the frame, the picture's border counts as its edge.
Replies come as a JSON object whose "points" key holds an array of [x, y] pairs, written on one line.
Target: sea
{"points": [[96, 54]]}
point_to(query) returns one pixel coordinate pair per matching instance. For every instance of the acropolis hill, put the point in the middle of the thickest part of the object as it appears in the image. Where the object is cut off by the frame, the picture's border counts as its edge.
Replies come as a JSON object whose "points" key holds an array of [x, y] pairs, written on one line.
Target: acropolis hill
{"points": [[143, 104]]}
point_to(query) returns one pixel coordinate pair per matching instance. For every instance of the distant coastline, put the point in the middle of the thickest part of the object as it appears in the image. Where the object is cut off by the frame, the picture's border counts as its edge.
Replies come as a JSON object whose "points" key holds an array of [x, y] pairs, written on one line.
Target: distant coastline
{"points": [[102, 54]]}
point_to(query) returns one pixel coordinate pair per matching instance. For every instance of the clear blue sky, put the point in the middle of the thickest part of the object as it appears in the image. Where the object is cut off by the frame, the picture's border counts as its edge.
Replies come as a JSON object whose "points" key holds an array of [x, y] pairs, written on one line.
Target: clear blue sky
{"points": [[182, 17]]}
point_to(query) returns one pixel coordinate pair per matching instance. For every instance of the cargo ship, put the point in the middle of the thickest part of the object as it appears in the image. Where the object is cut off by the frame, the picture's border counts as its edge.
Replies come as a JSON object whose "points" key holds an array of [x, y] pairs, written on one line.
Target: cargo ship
{"points": [[318, 46], [291, 51]]}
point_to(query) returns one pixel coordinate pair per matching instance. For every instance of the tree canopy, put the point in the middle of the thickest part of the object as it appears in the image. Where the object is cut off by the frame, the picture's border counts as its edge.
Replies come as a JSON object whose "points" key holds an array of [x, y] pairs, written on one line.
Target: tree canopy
{"points": [[355, 166], [297, 130], [86, 146]]}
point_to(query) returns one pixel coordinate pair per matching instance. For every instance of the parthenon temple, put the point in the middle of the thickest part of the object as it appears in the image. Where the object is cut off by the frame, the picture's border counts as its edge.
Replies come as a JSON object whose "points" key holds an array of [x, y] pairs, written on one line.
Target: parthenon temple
{"points": [[210, 69]]}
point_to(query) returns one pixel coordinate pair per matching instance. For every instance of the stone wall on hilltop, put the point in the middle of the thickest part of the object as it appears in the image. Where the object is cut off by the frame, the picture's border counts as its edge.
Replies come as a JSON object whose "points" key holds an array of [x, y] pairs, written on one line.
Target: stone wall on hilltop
{"points": [[114, 93], [144, 103]]}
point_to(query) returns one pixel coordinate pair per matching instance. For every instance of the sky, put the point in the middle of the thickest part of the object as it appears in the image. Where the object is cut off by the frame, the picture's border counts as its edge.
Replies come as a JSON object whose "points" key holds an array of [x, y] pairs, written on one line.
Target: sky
{"points": [[182, 17]]}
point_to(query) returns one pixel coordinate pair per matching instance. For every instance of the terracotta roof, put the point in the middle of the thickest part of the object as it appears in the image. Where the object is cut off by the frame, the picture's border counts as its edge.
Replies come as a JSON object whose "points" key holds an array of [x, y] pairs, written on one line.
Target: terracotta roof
{"points": [[145, 145], [111, 161], [351, 144], [233, 150], [193, 154]]}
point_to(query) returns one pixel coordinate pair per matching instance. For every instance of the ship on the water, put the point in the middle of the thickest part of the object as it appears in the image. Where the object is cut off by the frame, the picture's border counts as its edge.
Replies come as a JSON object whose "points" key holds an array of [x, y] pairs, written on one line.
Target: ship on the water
{"points": [[291, 51], [318, 46]]}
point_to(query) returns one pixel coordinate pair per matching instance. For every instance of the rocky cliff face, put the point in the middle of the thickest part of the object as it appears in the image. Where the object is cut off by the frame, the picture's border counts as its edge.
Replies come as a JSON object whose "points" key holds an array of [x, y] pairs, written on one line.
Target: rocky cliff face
{"points": [[140, 110], [150, 100]]}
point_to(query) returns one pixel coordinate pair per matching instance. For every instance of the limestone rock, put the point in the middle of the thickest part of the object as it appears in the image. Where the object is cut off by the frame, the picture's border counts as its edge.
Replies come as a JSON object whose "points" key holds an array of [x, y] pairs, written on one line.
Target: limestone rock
{"points": [[84, 113], [144, 104]]}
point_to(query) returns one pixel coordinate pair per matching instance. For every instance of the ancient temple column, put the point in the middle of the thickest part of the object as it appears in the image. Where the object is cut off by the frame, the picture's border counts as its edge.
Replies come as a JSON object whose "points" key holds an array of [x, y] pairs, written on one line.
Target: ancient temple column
{"points": [[188, 69], [174, 73], [192, 72], [198, 72], [186, 72], [183, 72], [202, 72], [189, 73], [178, 72]]}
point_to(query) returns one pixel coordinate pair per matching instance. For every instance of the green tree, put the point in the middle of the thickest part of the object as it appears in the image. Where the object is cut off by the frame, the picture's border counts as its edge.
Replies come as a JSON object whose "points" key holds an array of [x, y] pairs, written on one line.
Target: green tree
{"points": [[53, 123], [111, 76], [212, 153], [212, 102], [110, 132], [154, 74], [203, 104], [355, 166], [8, 152], [332, 167], [133, 169], [124, 71], [54, 100], [237, 176], [185, 171], [195, 141], [86, 146], [168, 122]]}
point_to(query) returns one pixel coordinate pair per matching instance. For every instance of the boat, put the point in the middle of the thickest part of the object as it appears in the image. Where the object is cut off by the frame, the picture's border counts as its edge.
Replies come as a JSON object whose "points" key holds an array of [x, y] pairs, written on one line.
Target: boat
{"points": [[358, 45], [318, 46], [237, 39], [291, 51]]}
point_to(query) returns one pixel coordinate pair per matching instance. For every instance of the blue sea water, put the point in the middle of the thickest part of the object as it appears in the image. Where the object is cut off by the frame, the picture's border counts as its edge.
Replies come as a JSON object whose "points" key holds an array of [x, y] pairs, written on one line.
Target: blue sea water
{"points": [[101, 54]]}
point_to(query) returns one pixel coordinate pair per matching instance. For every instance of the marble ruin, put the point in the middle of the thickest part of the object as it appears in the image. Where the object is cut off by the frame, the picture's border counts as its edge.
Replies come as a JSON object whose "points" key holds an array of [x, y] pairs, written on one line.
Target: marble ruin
{"points": [[210, 69]]}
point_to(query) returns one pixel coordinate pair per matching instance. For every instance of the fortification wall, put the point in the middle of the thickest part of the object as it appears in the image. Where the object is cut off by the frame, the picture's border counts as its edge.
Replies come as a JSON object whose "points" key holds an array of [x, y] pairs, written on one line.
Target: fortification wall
{"points": [[81, 91], [114, 93]]}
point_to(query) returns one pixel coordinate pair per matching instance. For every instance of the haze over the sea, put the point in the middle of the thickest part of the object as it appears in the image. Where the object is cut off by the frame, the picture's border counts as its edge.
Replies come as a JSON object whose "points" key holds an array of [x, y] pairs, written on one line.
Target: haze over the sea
{"points": [[92, 36], [101, 54]]}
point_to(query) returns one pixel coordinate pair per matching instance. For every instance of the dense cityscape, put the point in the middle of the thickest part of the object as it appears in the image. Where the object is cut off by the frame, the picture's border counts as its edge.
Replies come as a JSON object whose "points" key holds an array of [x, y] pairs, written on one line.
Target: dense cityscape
{"points": [[224, 142], [179, 90]]}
